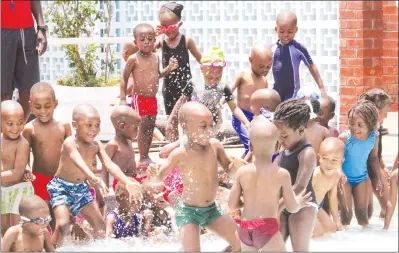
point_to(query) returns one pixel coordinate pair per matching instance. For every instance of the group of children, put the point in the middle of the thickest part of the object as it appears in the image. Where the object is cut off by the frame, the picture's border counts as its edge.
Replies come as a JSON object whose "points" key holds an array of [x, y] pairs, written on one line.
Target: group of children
{"points": [[298, 177]]}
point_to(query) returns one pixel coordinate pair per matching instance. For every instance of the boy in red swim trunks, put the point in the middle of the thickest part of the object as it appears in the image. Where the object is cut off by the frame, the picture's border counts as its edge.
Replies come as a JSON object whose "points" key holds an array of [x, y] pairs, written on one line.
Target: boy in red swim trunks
{"points": [[144, 67], [45, 136], [261, 184]]}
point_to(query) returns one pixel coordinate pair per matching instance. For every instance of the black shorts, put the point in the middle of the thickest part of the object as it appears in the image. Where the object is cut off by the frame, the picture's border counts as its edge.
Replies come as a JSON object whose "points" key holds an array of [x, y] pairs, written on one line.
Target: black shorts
{"points": [[15, 71]]}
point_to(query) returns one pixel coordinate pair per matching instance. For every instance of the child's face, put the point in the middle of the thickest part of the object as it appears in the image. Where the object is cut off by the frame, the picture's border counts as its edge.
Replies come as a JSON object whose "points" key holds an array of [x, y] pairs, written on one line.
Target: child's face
{"points": [[330, 161], [212, 75], [200, 129], [325, 114], [43, 105], [261, 65], [286, 31], [358, 127], [145, 39], [288, 137], [88, 127], [170, 23], [12, 124], [38, 221], [382, 113], [130, 131]]}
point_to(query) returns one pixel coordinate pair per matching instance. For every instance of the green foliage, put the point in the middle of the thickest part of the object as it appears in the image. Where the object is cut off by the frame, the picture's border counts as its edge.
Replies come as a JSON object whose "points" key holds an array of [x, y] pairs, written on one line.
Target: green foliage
{"points": [[72, 19]]}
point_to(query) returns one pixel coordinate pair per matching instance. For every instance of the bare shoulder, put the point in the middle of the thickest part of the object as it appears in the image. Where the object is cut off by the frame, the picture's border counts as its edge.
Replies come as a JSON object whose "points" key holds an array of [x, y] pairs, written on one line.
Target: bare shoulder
{"points": [[22, 142], [343, 137], [308, 153], [28, 128], [12, 233], [112, 144], [64, 124]]}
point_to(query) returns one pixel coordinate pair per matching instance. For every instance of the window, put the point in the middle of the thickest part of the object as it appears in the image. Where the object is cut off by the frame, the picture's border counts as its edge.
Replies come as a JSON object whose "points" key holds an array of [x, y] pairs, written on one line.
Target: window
{"points": [[118, 32], [101, 5], [117, 17], [102, 32], [118, 64], [118, 47], [117, 5]]}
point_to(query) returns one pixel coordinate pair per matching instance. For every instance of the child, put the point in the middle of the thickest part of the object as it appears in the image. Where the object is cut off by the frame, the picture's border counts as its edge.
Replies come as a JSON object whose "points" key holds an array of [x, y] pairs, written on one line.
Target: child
{"points": [[260, 183], [299, 158], [361, 142], [326, 180], [31, 235], [124, 221], [383, 103], [287, 56], [197, 160], [144, 66], [391, 204], [212, 64], [14, 159], [326, 113], [249, 81], [69, 192], [45, 136]]}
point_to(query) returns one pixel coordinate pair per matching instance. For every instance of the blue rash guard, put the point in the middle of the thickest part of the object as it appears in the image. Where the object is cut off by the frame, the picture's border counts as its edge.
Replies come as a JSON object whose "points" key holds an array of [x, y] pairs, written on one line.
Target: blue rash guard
{"points": [[286, 61]]}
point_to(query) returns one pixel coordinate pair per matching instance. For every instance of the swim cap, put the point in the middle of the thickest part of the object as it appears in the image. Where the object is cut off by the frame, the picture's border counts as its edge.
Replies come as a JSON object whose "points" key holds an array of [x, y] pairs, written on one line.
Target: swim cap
{"points": [[215, 54], [174, 7]]}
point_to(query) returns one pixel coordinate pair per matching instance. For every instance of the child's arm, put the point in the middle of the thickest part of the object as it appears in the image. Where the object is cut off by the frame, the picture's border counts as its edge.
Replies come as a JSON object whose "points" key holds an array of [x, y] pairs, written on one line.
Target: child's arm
{"points": [[109, 225], [307, 164], [48, 244], [192, 47], [129, 49], [316, 75], [159, 173], [110, 149], [238, 113], [173, 117], [375, 164], [237, 82], [167, 149], [230, 164], [68, 130], [333, 203], [391, 205], [173, 64], [20, 163], [9, 239], [130, 64], [235, 193], [395, 164], [293, 203]]}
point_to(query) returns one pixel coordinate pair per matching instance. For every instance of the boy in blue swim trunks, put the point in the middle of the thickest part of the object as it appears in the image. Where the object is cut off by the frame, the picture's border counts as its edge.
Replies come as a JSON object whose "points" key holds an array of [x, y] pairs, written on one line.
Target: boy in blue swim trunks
{"points": [[69, 190], [361, 142], [287, 56], [197, 159], [246, 83]]}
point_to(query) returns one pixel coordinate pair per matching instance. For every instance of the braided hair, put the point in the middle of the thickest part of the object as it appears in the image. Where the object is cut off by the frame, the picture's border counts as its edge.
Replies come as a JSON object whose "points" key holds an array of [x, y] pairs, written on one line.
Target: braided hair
{"points": [[294, 113], [378, 96], [366, 110]]}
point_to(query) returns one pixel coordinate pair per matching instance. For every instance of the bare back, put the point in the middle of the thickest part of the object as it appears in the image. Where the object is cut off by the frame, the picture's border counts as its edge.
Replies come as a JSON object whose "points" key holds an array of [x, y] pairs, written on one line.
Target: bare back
{"points": [[70, 172], [123, 156], [315, 134], [199, 174], [261, 191], [46, 142], [323, 184], [146, 75], [248, 83]]}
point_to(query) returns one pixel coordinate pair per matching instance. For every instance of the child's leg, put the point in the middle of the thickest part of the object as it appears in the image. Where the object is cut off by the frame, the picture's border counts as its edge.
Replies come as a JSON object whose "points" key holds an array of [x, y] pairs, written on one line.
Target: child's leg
{"points": [[92, 214], [62, 224], [301, 226], [370, 207], [247, 248], [144, 139], [276, 244], [158, 135], [283, 225], [100, 201], [5, 223], [361, 201], [326, 221], [345, 204], [226, 227], [383, 200], [190, 237], [318, 229]]}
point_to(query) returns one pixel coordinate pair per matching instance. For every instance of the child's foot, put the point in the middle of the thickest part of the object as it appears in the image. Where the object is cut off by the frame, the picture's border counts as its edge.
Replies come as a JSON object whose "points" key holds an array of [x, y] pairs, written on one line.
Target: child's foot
{"points": [[382, 214]]}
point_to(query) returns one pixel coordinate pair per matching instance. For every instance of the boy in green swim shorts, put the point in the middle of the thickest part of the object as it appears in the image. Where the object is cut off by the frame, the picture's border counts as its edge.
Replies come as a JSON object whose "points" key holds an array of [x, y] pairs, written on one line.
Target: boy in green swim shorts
{"points": [[197, 159]]}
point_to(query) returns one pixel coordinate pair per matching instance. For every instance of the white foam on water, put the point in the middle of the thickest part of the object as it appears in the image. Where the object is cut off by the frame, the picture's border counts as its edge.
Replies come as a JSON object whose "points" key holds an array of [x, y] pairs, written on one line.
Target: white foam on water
{"points": [[353, 238]]}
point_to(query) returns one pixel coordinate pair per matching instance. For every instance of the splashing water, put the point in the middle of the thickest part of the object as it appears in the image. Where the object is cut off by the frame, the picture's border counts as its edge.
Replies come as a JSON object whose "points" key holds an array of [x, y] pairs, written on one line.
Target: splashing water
{"points": [[353, 238]]}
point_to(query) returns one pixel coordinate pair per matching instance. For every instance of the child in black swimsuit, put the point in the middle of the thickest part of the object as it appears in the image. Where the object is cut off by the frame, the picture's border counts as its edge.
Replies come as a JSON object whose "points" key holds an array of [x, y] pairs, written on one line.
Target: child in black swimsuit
{"points": [[174, 44], [299, 158]]}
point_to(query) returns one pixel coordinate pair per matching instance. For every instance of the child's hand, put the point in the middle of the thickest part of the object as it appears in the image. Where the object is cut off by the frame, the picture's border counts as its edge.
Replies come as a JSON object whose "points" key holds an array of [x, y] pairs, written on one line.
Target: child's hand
{"points": [[236, 163], [28, 176], [173, 64], [386, 173], [304, 199], [78, 233], [342, 181], [380, 187], [135, 192], [98, 183], [152, 170]]}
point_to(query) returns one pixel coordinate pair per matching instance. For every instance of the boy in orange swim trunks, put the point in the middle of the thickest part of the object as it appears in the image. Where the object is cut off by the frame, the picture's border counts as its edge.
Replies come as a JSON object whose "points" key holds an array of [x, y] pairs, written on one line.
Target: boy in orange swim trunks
{"points": [[144, 67], [261, 184]]}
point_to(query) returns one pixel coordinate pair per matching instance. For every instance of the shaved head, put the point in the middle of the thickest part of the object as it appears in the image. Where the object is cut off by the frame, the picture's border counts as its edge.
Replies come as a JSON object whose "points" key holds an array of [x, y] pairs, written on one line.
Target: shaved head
{"points": [[193, 110], [41, 88], [84, 110], [332, 145], [124, 114], [11, 107], [30, 204], [287, 17], [263, 136], [260, 49], [264, 98]]}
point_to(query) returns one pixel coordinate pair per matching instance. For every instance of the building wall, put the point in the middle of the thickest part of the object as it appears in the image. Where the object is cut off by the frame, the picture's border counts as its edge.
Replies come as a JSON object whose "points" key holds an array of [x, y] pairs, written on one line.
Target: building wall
{"points": [[368, 51]]}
